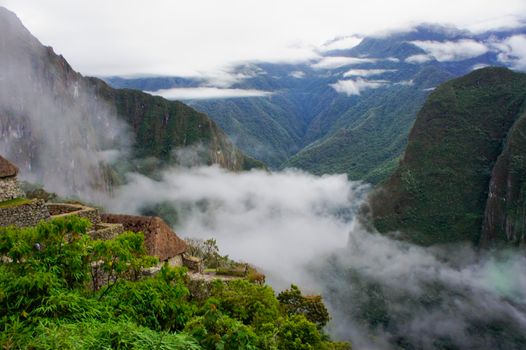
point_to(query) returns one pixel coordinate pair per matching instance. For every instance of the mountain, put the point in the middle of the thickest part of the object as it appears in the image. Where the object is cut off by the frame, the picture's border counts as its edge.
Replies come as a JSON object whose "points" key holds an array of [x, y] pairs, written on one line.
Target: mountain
{"points": [[351, 109], [65, 130], [462, 176]]}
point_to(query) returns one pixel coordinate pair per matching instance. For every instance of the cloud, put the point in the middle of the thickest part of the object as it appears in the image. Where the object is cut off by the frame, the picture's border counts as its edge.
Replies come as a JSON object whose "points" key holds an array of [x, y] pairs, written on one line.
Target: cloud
{"points": [[513, 52], [479, 66], [229, 75], [207, 93], [56, 130], [277, 221], [355, 87], [183, 38], [297, 74], [445, 51], [419, 58], [381, 292], [338, 62], [341, 43], [366, 72], [405, 83], [384, 292]]}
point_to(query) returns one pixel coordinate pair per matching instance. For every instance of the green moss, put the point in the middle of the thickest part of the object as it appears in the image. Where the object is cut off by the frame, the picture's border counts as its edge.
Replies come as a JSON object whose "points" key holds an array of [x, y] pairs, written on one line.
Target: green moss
{"points": [[14, 202]]}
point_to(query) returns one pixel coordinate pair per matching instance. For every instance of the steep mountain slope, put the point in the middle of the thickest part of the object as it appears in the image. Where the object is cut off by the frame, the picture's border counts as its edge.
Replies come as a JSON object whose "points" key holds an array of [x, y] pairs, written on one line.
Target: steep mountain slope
{"points": [[63, 130], [350, 110], [463, 165]]}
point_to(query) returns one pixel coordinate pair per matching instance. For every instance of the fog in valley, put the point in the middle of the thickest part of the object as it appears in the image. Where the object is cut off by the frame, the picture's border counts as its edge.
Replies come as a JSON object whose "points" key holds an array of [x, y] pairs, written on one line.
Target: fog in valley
{"points": [[303, 229]]}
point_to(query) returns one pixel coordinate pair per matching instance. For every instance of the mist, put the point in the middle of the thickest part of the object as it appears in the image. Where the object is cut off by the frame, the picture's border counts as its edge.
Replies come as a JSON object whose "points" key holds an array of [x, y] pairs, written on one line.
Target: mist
{"points": [[382, 293], [53, 126], [276, 221]]}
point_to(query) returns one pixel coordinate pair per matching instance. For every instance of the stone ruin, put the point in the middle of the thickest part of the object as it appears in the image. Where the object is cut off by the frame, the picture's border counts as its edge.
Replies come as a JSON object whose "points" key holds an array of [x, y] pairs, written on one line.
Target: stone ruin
{"points": [[15, 209], [9, 187]]}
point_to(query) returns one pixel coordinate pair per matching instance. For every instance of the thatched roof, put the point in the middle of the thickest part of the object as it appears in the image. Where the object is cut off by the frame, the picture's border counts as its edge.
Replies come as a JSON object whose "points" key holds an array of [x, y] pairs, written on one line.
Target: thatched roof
{"points": [[7, 169], [159, 239]]}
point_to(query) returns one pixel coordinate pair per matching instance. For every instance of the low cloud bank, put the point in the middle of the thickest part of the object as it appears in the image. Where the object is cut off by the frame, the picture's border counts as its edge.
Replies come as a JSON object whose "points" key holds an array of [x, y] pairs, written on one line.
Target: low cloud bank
{"points": [[367, 72], [445, 51], [355, 87], [382, 293], [385, 294], [277, 221], [205, 93]]}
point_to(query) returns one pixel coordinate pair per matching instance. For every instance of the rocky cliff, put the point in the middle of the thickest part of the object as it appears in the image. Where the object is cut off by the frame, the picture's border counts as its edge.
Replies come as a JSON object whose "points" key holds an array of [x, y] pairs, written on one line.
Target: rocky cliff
{"points": [[463, 172], [60, 128]]}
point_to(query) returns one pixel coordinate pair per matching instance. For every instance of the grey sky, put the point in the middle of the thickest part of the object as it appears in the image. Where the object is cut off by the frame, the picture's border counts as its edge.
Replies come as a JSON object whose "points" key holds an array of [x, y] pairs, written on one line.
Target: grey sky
{"points": [[129, 37]]}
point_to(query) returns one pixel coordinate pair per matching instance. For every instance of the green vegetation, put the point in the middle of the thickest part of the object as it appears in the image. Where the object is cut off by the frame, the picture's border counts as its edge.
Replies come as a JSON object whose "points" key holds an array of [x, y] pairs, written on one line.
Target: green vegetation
{"points": [[440, 190], [162, 128], [60, 289], [208, 252], [365, 139], [14, 202]]}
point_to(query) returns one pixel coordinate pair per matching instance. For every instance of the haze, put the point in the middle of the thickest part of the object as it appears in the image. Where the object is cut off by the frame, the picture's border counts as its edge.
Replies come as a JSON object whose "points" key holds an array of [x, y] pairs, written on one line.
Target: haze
{"points": [[190, 38]]}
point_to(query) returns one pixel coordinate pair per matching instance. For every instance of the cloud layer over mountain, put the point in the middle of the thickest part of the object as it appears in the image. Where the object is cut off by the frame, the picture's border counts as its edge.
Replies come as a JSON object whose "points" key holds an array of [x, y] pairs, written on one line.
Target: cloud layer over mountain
{"points": [[191, 37]]}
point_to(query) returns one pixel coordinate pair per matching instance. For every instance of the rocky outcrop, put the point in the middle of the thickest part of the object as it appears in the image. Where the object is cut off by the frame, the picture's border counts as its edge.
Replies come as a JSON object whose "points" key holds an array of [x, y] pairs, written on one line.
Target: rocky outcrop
{"points": [[505, 213], [159, 239]]}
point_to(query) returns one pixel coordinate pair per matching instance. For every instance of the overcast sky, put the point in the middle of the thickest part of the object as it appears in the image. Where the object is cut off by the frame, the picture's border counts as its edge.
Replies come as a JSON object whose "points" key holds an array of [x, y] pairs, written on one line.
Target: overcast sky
{"points": [[189, 37]]}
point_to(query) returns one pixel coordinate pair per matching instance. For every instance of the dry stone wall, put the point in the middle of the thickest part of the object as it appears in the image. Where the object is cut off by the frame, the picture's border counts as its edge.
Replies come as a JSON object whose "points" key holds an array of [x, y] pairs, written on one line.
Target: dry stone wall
{"points": [[106, 231], [65, 209], [24, 215], [10, 189]]}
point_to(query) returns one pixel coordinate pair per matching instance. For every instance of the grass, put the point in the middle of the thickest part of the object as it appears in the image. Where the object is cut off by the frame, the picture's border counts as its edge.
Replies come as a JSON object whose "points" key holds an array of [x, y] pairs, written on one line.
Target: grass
{"points": [[14, 202]]}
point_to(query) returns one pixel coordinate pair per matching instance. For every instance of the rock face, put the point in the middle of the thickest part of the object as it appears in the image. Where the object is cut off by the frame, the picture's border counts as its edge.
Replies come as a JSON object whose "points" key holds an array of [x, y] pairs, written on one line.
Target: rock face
{"points": [[159, 239], [462, 175], [62, 129], [505, 213]]}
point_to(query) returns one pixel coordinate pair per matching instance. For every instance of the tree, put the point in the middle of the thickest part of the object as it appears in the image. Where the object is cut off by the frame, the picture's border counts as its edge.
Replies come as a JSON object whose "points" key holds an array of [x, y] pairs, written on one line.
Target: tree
{"points": [[294, 303]]}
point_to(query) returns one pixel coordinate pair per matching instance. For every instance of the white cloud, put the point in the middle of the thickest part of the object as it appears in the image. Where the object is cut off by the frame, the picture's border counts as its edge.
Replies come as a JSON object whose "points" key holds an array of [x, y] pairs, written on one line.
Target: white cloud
{"points": [[445, 51], [479, 66], [231, 75], [419, 58], [366, 72], [405, 83], [304, 231], [338, 62], [514, 52], [341, 43], [122, 37], [355, 87], [207, 93], [299, 219], [297, 74]]}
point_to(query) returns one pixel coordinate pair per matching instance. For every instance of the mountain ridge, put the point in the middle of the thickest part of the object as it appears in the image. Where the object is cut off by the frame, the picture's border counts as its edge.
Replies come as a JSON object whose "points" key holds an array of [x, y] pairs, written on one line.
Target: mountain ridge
{"points": [[315, 108], [75, 134], [459, 169]]}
